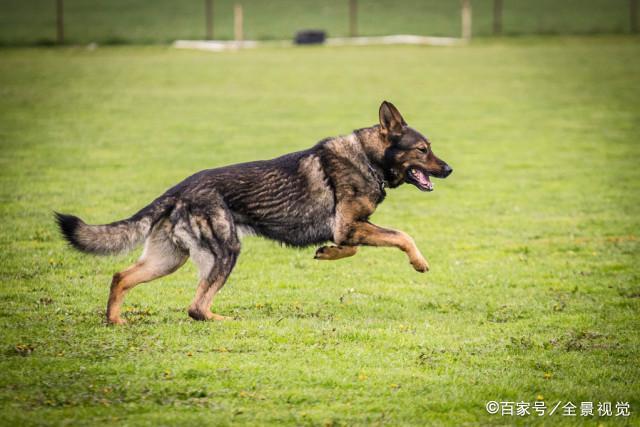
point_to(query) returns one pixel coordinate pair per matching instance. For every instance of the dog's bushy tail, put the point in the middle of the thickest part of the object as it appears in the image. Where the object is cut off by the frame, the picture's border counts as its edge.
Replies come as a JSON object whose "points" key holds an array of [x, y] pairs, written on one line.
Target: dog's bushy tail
{"points": [[117, 237]]}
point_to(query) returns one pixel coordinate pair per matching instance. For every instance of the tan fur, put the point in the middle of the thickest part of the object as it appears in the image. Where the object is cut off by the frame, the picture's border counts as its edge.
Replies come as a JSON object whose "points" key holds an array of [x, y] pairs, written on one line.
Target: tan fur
{"points": [[353, 232], [158, 259], [200, 308], [335, 252]]}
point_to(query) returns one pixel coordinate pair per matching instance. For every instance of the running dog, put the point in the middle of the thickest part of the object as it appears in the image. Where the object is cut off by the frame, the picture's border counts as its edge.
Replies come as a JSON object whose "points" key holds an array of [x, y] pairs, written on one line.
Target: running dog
{"points": [[324, 194]]}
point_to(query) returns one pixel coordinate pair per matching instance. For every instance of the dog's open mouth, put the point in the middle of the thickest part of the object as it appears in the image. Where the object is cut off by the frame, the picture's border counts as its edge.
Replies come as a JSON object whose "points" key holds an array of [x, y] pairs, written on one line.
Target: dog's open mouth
{"points": [[419, 178]]}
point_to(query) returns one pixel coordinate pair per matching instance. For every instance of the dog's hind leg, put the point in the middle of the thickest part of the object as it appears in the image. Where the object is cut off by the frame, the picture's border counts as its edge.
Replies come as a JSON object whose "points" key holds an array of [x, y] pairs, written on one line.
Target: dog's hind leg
{"points": [[159, 258], [208, 286], [214, 247], [335, 252]]}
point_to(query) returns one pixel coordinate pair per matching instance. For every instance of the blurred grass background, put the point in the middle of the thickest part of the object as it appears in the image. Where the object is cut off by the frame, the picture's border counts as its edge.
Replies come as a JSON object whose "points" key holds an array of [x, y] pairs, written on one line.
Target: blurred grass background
{"points": [[28, 22], [533, 241], [534, 292]]}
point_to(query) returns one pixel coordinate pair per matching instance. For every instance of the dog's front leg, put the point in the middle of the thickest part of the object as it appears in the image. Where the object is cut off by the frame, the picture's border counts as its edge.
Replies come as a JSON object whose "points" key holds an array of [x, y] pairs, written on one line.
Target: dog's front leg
{"points": [[366, 233]]}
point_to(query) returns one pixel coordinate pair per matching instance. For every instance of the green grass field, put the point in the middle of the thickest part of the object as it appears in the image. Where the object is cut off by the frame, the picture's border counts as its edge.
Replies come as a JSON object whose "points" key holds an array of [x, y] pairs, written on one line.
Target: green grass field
{"points": [[533, 241], [25, 22]]}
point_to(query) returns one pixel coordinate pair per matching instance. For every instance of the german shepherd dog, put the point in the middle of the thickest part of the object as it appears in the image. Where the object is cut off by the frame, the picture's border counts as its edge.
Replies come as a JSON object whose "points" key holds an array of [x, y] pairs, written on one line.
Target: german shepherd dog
{"points": [[324, 194]]}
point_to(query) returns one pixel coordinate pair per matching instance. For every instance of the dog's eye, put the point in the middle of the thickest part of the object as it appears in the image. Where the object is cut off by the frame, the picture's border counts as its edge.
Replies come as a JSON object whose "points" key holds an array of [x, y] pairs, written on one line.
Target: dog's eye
{"points": [[424, 149]]}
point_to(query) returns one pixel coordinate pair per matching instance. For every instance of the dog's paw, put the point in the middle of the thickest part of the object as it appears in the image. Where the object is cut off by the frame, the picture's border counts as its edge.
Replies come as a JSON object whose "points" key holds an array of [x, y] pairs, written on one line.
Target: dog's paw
{"points": [[420, 264], [116, 321], [335, 252], [324, 252], [197, 314]]}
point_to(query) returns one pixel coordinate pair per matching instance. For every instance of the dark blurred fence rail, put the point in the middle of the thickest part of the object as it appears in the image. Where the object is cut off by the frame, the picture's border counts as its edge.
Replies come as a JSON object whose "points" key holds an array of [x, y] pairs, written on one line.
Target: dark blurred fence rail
{"points": [[29, 22]]}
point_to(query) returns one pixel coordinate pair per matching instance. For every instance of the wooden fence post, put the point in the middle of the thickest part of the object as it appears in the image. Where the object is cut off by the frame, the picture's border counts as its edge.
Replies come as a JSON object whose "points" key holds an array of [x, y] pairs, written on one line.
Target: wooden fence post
{"points": [[60, 21], [353, 18], [237, 23], [208, 12], [497, 17], [466, 19], [633, 16]]}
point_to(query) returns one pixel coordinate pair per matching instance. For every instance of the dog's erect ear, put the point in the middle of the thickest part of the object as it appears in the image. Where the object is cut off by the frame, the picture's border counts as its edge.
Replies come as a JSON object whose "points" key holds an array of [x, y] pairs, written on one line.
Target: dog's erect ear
{"points": [[390, 119]]}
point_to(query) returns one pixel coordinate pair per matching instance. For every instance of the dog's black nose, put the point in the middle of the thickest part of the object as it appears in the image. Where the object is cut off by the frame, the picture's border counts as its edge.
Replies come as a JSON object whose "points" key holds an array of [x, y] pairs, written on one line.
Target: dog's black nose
{"points": [[446, 171]]}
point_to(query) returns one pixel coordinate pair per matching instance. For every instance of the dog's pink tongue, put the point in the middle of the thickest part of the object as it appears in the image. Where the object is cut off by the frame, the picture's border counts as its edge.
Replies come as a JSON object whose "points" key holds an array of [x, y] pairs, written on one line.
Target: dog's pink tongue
{"points": [[424, 180]]}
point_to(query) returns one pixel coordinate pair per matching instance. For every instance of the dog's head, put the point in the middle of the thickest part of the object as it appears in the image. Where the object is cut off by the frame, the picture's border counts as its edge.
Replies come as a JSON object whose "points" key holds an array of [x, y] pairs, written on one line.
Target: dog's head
{"points": [[408, 156]]}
